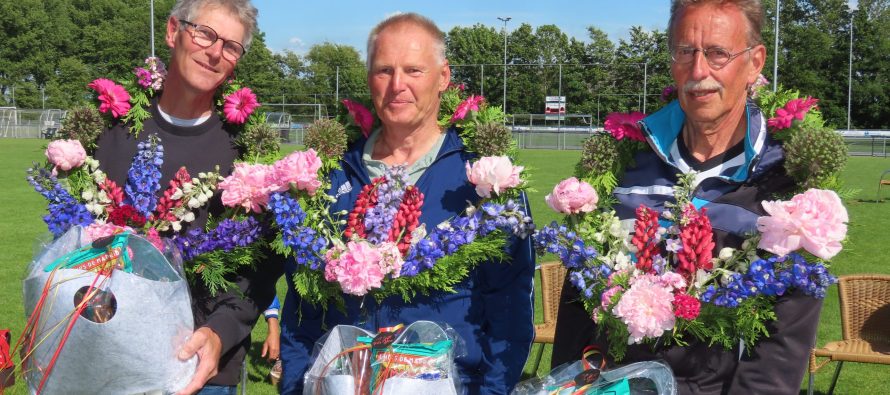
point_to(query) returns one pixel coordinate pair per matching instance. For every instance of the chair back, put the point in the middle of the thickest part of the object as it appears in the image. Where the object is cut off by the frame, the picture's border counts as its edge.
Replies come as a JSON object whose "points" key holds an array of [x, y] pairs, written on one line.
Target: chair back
{"points": [[865, 307], [552, 276]]}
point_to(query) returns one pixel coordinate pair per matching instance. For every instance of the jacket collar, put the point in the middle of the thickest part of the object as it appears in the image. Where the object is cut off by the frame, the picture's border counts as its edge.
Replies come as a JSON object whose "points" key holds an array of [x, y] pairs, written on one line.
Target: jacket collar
{"points": [[353, 156], [663, 127]]}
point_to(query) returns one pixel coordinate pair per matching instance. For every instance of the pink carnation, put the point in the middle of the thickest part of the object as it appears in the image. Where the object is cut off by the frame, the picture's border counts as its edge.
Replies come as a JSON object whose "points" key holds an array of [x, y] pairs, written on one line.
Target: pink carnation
{"points": [[390, 259], [686, 306], [646, 308], [471, 103], [239, 105], [493, 174], [572, 196], [112, 97], [299, 169], [624, 125], [794, 109], [97, 231], [65, 154], [361, 116], [249, 186], [814, 220], [606, 297], [672, 280], [356, 268]]}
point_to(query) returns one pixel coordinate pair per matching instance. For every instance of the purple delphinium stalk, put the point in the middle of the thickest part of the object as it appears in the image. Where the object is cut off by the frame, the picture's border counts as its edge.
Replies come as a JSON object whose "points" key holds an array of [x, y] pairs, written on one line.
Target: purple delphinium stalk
{"points": [[64, 210], [143, 178], [557, 239], [307, 244], [772, 277], [379, 219], [226, 236]]}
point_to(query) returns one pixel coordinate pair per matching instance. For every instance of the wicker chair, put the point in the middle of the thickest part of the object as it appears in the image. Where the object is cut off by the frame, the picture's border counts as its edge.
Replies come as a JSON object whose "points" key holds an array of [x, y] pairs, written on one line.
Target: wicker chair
{"points": [[865, 318], [552, 276]]}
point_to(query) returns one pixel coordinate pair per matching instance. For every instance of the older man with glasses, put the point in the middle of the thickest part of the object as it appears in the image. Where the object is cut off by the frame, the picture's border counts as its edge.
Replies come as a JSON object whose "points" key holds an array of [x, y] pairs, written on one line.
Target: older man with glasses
{"points": [[206, 40], [715, 130]]}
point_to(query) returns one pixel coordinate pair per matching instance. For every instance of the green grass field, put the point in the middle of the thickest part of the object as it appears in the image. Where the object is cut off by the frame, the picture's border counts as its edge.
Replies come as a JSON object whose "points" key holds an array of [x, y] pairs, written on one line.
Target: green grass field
{"points": [[869, 241]]}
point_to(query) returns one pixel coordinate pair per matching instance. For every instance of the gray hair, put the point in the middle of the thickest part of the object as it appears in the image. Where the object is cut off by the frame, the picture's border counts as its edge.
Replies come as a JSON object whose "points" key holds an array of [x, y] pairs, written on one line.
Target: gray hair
{"points": [[752, 9], [413, 19], [188, 10]]}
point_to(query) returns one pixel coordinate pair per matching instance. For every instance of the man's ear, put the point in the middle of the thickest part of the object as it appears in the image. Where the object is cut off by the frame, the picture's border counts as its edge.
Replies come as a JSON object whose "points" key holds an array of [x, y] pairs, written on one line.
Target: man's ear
{"points": [[758, 59], [172, 29], [446, 76]]}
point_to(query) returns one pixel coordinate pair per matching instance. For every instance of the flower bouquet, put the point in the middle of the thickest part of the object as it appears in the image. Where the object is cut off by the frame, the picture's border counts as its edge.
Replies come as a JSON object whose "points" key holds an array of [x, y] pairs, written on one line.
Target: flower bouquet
{"points": [[417, 359], [379, 247], [660, 279]]}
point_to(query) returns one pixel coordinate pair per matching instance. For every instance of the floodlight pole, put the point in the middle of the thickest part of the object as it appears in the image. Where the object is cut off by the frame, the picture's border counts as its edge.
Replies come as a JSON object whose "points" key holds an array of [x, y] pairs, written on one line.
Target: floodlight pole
{"points": [[505, 20], [850, 72], [152, 23], [776, 51]]}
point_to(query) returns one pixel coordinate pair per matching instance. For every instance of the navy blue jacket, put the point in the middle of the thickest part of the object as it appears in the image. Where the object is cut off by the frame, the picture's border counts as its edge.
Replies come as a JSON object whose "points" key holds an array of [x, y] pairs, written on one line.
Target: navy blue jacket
{"points": [[492, 310], [732, 192]]}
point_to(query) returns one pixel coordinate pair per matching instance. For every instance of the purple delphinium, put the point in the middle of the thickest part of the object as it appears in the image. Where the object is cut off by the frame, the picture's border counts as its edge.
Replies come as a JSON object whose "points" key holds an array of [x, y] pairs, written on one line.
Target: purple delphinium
{"points": [[64, 210], [772, 277], [559, 240], [307, 244], [143, 178], [379, 219], [226, 236]]}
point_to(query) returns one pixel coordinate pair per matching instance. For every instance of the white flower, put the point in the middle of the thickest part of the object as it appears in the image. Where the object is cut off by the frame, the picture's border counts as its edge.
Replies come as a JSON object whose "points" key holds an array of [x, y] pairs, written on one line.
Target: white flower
{"points": [[418, 234], [187, 187], [701, 277], [599, 237], [726, 253], [188, 216], [667, 214], [99, 176], [177, 194], [95, 208], [87, 194], [622, 262], [177, 226], [615, 228], [194, 203], [103, 197], [201, 198]]}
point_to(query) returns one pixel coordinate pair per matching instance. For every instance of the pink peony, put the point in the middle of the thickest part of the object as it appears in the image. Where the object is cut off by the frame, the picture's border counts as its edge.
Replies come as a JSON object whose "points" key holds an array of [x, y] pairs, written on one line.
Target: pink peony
{"points": [[249, 186], [239, 105], [493, 174], [112, 97], [299, 169], [794, 109], [624, 125], [361, 116], [646, 308], [814, 220], [471, 103], [572, 196], [65, 154], [356, 268]]}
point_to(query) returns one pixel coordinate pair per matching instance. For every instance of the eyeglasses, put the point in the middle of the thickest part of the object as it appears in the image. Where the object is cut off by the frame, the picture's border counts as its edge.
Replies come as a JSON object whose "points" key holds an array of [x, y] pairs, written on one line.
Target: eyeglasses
{"points": [[205, 36], [717, 57]]}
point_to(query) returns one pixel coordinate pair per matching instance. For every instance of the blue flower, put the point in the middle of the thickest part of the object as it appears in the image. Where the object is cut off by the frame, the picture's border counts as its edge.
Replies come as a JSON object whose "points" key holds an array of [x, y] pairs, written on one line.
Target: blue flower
{"points": [[144, 175]]}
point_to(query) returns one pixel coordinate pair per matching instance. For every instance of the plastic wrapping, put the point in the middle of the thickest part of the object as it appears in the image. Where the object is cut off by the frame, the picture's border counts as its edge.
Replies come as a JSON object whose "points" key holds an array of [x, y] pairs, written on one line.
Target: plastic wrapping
{"points": [[416, 360], [126, 337], [641, 378]]}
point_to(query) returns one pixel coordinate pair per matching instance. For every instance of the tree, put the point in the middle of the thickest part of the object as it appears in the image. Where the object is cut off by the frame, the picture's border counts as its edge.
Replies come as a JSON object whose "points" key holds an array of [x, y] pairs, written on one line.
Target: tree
{"points": [[326, 62], [476, 47]]}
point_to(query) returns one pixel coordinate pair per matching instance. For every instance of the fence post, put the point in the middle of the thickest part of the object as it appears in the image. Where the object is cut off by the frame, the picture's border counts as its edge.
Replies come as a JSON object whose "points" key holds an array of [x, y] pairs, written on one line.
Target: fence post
{"points": [[482, 84]]}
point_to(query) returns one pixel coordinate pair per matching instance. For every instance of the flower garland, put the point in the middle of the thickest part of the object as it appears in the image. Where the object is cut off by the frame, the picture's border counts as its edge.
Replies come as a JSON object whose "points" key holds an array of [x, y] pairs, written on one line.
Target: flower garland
{"points": [[664, 283], [80, 194], [379, 247]]}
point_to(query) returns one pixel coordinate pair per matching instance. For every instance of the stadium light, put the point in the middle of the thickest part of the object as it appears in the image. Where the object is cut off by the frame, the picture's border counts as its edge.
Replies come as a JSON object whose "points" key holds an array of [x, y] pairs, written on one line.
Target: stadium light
{"points": [[151, 19], [505, 20], [850, 72], [776, 51]]}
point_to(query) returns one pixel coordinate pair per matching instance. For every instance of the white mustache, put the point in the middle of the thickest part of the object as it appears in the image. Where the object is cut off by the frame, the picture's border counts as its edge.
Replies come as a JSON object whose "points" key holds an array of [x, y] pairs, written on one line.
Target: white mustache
{"points": [[703, 85]]}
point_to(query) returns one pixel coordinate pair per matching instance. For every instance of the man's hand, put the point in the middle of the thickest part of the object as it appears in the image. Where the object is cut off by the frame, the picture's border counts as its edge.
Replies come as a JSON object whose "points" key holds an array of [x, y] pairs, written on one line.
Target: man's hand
{"points": [[207, 345], [272, 345]]}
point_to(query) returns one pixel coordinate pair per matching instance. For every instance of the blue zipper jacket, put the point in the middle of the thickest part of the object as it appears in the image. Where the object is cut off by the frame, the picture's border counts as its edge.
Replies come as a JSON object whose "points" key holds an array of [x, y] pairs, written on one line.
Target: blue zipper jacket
{"points": [[732, 193], [492, 310]]}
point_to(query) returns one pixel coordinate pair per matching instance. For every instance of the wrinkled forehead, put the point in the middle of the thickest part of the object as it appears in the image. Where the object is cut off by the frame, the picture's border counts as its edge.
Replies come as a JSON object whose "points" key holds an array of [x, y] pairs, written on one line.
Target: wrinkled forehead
{"points": [[405, 39], [709, 25], [222, 19]]}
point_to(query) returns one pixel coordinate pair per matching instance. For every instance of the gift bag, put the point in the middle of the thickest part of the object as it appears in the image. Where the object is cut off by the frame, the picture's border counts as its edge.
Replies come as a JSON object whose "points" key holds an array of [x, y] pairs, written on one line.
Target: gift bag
{"points": [[416, 360], [585, 377], [7, 366], [106, 317]]}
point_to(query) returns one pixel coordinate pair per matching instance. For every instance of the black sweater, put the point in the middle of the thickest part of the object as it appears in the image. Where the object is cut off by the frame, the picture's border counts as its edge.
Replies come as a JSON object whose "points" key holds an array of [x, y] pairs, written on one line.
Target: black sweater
{"points": [[201, 148]]}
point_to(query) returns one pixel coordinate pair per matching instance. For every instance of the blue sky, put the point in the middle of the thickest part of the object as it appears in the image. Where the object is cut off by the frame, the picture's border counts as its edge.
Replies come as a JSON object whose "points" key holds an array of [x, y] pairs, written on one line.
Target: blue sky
{"points": [[297, 25]]}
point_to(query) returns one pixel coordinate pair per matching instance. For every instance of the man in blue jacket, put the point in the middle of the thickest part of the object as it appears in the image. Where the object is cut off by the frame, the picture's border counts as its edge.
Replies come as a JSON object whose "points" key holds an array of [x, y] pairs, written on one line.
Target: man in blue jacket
{"points": [[715, 130], [493, 309]]}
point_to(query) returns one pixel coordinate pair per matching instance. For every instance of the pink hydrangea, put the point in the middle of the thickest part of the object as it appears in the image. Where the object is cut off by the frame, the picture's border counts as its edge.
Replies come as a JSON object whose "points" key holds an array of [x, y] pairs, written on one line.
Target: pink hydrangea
{"points": [[65, 154], [299, 169], [249, 186], [356, 267], [646, 308], [814, 220], [239, 105], [390, 259], [624, 125], [672, 280], [112, 97], [572, 196], [493, 174], [361, 116], [471, 103], [794, 109]]}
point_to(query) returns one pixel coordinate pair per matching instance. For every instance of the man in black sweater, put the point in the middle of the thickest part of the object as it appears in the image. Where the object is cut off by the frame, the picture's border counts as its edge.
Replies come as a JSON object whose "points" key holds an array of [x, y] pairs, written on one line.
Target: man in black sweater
{"points": [[206, 40]]}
